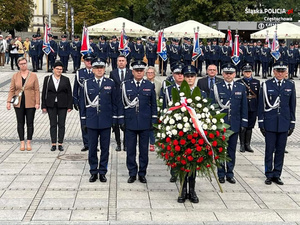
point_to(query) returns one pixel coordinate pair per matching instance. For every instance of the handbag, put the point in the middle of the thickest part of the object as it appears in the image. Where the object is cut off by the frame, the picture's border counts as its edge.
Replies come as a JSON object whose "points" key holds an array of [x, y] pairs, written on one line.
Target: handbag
{"points": [[16, 98]]}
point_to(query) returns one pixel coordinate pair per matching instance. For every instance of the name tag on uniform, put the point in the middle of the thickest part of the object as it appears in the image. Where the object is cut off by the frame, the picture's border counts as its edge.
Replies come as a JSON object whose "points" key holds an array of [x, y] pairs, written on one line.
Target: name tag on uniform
{"points": [[287, 89], [270, 90], [128, 90], [145, 89], [238, 93], [107, 87]]}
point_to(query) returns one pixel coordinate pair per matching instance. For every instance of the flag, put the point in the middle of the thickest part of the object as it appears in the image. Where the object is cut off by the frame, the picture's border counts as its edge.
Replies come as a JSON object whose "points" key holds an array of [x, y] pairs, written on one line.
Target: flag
{"points": [[197, 51], [229, 38], [85, 43], [46, 44], [161, 46], [275, 47], [268, 41], [236, 50], [123, 44]]}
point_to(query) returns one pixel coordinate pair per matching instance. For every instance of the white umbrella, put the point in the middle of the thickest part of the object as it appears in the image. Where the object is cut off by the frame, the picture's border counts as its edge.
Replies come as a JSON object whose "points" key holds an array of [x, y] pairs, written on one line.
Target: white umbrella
{"points": [[186, 29], [114, 27], [284, 31]]}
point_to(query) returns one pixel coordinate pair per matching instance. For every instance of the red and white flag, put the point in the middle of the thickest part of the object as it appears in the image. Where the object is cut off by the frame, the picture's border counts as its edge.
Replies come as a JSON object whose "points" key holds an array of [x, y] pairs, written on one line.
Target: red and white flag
{"points": [[236, 50], [46, 44], [229, 38], [85, 43]]}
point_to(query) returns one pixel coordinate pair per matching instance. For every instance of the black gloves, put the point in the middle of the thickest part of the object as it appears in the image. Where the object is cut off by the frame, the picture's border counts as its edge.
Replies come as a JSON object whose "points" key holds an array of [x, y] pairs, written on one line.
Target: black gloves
{"points": [[114, 127], [76, 107], [122, 127], [291, 130], [263, 131]]}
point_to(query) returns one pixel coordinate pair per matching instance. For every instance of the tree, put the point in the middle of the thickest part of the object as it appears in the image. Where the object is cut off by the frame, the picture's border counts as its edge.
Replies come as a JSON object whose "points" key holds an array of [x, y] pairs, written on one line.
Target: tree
{"points": [[160, 14], [16, 15]]}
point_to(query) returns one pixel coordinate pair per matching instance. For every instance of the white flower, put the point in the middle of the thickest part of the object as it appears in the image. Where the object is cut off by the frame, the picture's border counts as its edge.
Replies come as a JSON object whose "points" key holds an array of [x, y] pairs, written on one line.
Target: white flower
{"points": [[212, 107], [170, 103], [158, 135], [161, 118], [159, 127], [174, 132], [176, 115], [198, 116], [181, 94], [217, 112], [158, 109], [165, 110], [185, 130], [214, 120], [179, 118], [177, 104], [183, 109], [222, 120], [165, 121], [207, 114], [169, 133], [207, 120], [213, 127], [185, 119], [187, 125], [163, 135], [161, 100], [203, 115], [179, 126], [167, 128], [205, 100], [197, 98], [189, 100], [205, 110], [199, 105], [204, 126], [172, 121]]}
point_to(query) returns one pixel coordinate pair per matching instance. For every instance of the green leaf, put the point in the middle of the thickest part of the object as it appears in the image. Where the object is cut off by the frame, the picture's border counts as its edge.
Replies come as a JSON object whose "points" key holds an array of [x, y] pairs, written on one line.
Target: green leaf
{"points": [[175, 95], [220, 115], [185, 88], [196, 92]]}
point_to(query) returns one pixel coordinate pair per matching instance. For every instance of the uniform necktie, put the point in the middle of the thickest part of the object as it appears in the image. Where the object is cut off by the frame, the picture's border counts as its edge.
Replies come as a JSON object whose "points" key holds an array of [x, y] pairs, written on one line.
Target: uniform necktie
{"points": [[279, 83], [211, 83], [229, 87], [99, 83], [122, 75], [138, 85]]}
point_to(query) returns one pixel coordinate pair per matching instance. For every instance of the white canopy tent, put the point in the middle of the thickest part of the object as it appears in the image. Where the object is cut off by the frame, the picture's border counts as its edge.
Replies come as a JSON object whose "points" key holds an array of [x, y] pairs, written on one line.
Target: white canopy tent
{"points": [[284, 31], [186, 29], [114, 27]]}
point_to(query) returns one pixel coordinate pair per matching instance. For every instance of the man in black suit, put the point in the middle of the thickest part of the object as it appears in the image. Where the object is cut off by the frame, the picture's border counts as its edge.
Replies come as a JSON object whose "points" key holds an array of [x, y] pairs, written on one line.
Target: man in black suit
{"points": [[207, 83], [118, 76], [57, 101]]}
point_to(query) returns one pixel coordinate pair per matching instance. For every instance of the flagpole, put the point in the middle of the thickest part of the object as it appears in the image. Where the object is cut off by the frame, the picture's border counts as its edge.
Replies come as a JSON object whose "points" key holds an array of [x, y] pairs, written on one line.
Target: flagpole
{"points": [[47, 59]]}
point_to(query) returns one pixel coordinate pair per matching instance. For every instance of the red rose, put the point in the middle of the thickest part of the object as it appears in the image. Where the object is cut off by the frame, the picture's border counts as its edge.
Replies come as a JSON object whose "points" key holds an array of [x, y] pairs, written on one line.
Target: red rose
{"points": [[223, 137], [220, 149], [198, 168], [173, 165], [168, 139], [205, 132], [159, 144], [186, 170], [190, 137], [215, 143], [200, 159], [166, 156], [183, 162], [198, 148], [182, 168], [195, 135], [178, 158], [162, 154], [182, 142], [188, 151], [177, 148], [211, 135], [208, 165], [201, 141], [224, 129], [193, 141], [216, 157], [159, 121], [162, 146], [190, 158], [180, 133], [175, 142], [218, 133], [210, 152], [171, 154]]}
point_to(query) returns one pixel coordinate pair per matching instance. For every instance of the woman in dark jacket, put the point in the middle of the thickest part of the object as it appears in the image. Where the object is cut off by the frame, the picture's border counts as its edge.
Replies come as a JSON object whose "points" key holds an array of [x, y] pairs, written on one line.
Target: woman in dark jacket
{"points": [[13, 53]]}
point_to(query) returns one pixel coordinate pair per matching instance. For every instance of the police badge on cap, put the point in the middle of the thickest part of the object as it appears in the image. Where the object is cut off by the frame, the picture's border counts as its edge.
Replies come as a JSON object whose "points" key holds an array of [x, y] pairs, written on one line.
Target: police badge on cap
{"points": [[280, 66], [138, 65], [89, 56], [247, 68], [177, 67], [228, 68], [98, 62], [189, 70]]}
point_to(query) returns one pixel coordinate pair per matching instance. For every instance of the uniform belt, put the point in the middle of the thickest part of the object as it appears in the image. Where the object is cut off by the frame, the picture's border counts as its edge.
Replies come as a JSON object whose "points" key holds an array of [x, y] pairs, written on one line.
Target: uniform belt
{"points": [[251, 96]]}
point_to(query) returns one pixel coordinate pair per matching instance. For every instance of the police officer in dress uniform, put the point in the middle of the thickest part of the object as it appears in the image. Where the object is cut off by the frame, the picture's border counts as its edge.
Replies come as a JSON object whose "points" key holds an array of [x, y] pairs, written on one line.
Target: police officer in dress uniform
{"points": [[151, 49], [174, 51], [52, 55], [138, 51], [34, 52], [215, 53], [163, 64], [75, 53], [140, 113], [64, 52], [93, 46], [187, 51], [292, 60], [297, 53], [257, 58], [78, 94], [276, 119], [207, 54], [99, 114], [41, 52], [252, 86], [225, 53], [248, 53], [113, 52], [200, 59], [102, 48], [231, 97], [283, 52], [265, 58]]}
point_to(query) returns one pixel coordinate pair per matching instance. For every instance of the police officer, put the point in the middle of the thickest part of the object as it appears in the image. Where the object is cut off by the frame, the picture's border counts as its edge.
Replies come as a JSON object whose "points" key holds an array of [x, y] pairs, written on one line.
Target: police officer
{"points": [[265, 58], [187, 51], [162, 63], [215, 53], [248, 53], [297, 53], [207, 54], [138, 51], [102, 48], [252, 87], [283, 52], [151, 49], [75, 48], [225, 53], [41, 52], [231, 97], [257, 58], [93, 45], [292, 60], [113, 51], [200, 59], [174, 51], [34, 53], [99, 114], [52, 55], [276, 118], [64, 52], [78, 94], [140, 112]]}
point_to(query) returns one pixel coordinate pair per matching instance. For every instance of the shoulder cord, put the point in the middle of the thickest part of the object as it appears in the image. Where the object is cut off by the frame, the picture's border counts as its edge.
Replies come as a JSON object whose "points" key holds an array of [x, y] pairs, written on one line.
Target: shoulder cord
{"points": [[266, 100], [226, 106], [93, 103], [78, 80], [126, 102]]}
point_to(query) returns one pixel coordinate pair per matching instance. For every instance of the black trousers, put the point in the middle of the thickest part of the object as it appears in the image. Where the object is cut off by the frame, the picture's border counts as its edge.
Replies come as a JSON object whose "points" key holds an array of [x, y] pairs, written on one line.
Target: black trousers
{"points": [[23, 113], [57, 117], [14, 59], [118, 136]]}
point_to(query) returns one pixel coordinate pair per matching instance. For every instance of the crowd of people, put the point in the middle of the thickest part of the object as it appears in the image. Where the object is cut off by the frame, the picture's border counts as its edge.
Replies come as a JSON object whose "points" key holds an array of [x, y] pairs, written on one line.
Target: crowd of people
{"points": [[126, 102]]}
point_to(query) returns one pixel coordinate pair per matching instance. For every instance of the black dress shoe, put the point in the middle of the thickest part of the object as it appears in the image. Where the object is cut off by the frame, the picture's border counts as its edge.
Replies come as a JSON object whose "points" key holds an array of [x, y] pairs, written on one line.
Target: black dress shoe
{"points": [[277, 180], [231, 180], [60, 148], [53, 148], [118, 148], [142, 179], [268, 181], [93, 178], [222, 180], [125, 148], [102, 178], [173, 179], [131, 179], [85, 149], [285, 151]]}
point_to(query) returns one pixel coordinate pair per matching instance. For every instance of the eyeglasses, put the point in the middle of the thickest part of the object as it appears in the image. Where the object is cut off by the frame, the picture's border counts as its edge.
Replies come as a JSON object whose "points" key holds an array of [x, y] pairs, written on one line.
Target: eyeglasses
{"points": [[58, 69], [22, 64], [150, 72]]}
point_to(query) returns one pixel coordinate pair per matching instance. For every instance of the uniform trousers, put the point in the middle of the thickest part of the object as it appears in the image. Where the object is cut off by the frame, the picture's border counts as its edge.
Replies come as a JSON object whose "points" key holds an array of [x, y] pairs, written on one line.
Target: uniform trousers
{"points": [[64, 60], [96, 166], [118, 136], [76, 62], [151, 61], [274, 140], [57, 117], [113, 63], [51, 61], [131, 144], [85, 137], [231, 150], [251, 118], [34, 59]]}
